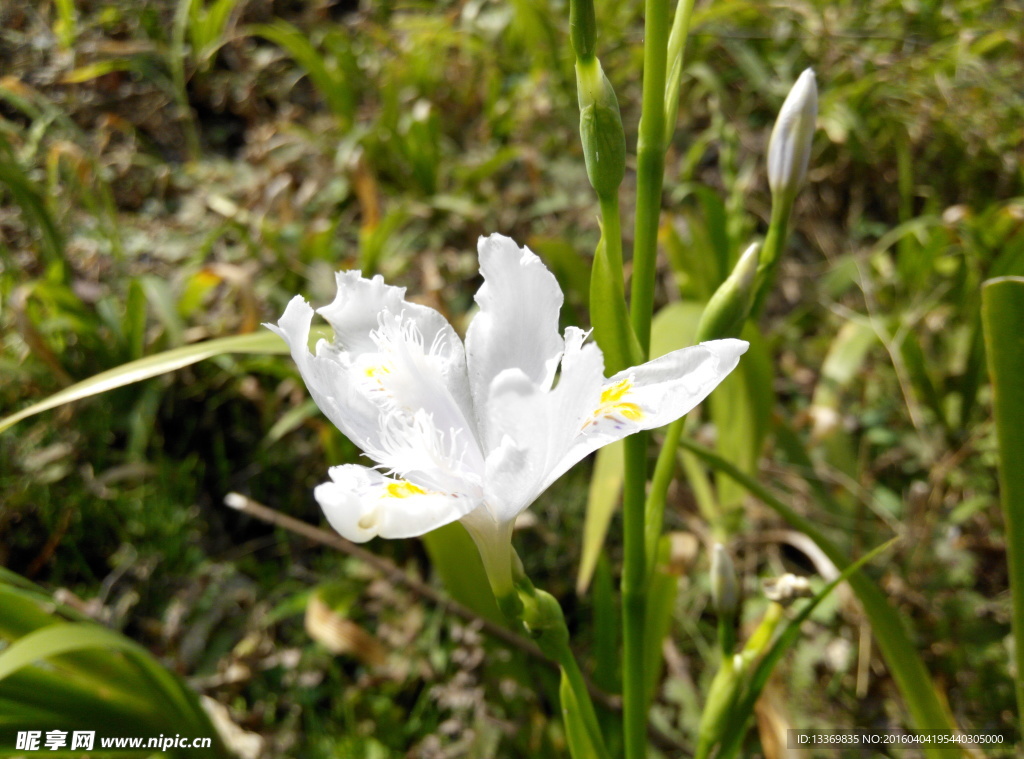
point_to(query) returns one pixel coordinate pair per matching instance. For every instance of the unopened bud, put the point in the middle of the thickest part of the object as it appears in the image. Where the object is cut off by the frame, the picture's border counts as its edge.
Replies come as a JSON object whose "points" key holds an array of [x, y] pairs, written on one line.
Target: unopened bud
{"points": [[725, 593], [604, 142], [730, 305], [582, 28], [789, 148], [545, 621]]}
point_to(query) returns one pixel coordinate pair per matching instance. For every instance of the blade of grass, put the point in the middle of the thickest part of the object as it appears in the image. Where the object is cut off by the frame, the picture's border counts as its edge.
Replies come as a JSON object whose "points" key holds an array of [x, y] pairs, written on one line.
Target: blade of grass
{"points": [[71, 637], [154, 366], [602, 499], [1002, 313]]}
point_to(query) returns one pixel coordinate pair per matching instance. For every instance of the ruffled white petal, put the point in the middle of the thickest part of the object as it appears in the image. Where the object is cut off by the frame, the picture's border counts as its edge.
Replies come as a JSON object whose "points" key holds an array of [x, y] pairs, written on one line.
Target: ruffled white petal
{"points": [[361, 504], [652, 395], [538, 425], [329, 382], [517, 325], [367, 312], [407, 377]]}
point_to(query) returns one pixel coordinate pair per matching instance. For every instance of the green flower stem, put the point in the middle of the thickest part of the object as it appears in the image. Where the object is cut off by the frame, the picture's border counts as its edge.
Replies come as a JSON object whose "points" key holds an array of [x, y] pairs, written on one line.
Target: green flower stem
{"points": [[761, 638], [676, 56], [501, 564], [650, 157], [542, 615], [664, 471], [634, 597], [650, 174], [771, 252], [722, 696], [611, 227]]}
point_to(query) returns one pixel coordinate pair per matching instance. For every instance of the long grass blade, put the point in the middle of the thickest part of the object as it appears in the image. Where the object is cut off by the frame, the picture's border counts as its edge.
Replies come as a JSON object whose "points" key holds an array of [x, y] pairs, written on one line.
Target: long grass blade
{"points": [[1002, 313], [154, 366]]}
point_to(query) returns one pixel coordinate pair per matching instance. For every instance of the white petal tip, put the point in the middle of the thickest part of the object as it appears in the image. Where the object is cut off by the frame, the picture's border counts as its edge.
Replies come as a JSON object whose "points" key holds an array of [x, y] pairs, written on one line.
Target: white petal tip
{"points": [[728, 349]]}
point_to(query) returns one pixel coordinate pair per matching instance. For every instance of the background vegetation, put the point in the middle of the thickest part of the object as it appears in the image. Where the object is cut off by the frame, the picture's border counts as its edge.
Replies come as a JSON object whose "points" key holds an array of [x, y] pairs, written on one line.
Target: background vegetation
{"points": [[171, 172]]}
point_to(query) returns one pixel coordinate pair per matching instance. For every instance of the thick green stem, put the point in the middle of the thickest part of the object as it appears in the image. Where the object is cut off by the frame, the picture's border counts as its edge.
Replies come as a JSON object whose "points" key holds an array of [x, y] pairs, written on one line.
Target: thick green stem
{"points": [[650, 174]]}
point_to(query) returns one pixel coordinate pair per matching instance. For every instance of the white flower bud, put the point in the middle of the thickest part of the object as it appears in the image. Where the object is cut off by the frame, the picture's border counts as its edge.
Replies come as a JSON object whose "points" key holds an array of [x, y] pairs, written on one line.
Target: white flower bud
{"points": [[789, 148]]}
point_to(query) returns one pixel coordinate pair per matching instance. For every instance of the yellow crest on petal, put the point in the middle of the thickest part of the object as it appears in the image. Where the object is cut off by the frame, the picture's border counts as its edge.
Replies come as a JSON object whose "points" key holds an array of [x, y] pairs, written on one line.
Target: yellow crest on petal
{"points": [[403, 490], [614, 403]]}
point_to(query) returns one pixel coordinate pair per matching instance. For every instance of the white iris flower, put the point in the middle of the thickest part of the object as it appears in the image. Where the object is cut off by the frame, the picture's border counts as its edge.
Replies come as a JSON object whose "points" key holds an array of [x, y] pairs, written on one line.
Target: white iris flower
{"points": [[474, 432]]}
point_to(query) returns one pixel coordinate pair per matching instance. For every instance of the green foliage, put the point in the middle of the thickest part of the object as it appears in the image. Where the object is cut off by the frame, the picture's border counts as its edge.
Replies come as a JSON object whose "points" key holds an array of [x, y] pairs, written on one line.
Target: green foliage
{"points": [[65, 674]]}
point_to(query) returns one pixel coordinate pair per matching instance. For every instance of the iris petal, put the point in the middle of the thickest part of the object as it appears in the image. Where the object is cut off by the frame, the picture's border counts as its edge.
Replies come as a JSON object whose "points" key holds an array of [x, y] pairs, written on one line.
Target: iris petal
{"points": [[517, 325], [362, 503]]}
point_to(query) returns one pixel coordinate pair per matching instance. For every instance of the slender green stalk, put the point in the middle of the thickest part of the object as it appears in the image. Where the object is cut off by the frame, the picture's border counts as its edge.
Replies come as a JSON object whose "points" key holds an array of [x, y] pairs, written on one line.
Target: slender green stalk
{"points": [[634, 597], [650, 157], [771, 252], [177, 61], [542, 615], [676, 56], [650, 174], [664, 471], [574, 675]]}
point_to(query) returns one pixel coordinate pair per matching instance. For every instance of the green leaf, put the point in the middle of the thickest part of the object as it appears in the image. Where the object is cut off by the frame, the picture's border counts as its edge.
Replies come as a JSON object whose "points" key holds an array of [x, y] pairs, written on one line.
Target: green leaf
{"points": [[164, 702], [1002, 313], [602, 499], [674, 326], [66, 25], [661, 599], [97, 69], [154, 366], [455, 558], [741, 407], [926, 707], [576, 735], [607, 628]]}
